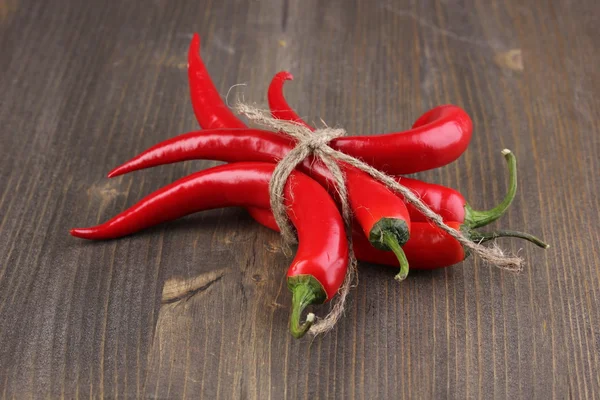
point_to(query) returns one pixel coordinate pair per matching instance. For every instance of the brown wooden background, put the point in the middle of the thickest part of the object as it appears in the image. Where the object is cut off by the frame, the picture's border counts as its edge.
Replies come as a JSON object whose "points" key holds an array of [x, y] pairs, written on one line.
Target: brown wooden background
{"points": [[85, 85]]}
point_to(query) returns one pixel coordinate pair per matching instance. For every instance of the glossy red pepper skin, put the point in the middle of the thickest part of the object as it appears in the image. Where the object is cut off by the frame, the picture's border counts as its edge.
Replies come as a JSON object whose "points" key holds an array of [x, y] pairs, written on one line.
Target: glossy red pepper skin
{"points": [[428, 247], [437, 138], [234, 145], [230, 145], [445, 201], [279, 106], [208, 106]]}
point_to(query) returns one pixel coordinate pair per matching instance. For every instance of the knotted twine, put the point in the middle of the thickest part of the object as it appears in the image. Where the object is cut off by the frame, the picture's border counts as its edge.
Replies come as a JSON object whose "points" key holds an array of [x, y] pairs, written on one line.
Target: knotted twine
{"points": [[316, 143]]}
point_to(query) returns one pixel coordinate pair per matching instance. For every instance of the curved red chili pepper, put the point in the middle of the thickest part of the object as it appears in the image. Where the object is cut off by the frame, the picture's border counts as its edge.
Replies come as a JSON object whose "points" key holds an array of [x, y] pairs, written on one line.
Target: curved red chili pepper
{"points": [[437, 138], [279, 106], [452, 205], [230, 145], [319, 267], [382, 215], [428, 247], [208, 106]]}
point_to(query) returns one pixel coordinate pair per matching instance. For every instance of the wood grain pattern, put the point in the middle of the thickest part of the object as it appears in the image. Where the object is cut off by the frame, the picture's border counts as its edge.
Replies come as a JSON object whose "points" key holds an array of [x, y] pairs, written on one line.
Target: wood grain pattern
{"points": [[86, 85]]}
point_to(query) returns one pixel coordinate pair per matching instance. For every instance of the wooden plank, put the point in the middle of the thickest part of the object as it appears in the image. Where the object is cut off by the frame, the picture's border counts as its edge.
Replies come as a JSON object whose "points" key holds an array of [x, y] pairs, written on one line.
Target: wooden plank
{"points": [[199, 307]]}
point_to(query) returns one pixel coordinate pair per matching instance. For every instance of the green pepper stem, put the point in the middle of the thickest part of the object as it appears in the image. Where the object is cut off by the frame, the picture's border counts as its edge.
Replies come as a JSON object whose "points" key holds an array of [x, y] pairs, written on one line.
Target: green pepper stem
{"points": [[476, 219], [300, 300], [391, 242], [306, 290], [485, 236]]}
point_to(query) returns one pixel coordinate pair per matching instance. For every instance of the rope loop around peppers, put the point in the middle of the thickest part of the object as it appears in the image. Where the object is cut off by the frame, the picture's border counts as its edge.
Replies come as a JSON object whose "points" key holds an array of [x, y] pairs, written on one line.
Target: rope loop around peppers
{"points": [[316, 143]]}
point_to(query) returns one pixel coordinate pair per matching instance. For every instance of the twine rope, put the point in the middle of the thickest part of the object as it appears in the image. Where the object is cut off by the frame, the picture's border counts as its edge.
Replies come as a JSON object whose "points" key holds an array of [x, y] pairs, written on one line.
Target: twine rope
{"points": [[316, 143]]}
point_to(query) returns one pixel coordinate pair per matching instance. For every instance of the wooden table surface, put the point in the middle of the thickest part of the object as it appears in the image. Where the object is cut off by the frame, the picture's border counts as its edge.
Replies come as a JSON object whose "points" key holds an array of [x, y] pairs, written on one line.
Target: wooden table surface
{"points": [[199, 307]]}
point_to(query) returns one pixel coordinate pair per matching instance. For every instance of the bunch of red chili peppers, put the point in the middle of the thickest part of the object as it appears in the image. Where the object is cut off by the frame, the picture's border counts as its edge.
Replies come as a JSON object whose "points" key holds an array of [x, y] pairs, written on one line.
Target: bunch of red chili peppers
{"points": [[385, 229]]}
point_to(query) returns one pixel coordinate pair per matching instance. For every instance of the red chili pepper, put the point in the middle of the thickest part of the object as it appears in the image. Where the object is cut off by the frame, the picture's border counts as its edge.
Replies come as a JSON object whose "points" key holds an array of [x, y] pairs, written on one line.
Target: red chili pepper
{"points": [[279, 106], [452, 206], [428, 247], [209, 109], [437, 138], [385, 220], [319, 267], [431, 248]]}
